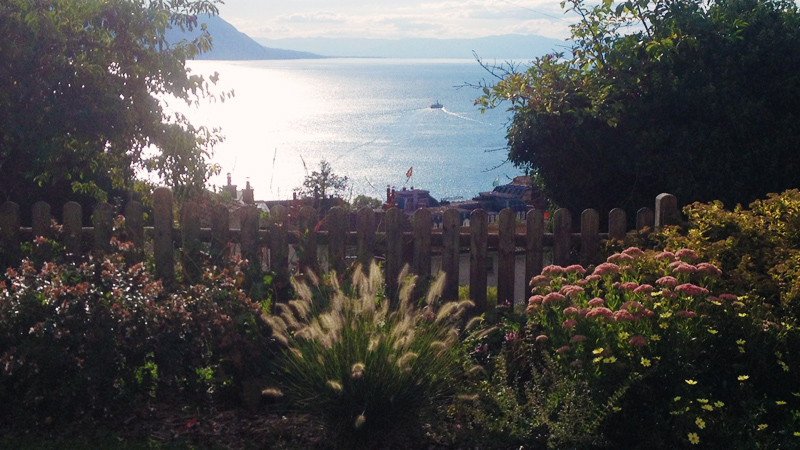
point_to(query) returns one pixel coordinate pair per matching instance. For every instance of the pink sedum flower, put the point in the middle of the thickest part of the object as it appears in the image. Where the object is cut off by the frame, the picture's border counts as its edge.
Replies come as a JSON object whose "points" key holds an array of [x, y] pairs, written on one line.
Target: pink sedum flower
{"points": [[643, 289], [669, 256], [709, 270], [600, 311], [637, 341], [569, 323], [667, 281], [539, 280], [685, 314], [728, 297], [629, 285], [633, 251], [606, 268], [624, 316], [632, 306], [552, 297], [682, 267], [535, 300], [691, 289], [619, 257], [571, 311], [578, 338], [542, 338], [571, 290], [575, 268], [686, 254], [593, 278], [563, 349], [552, 270], [597, 301]]}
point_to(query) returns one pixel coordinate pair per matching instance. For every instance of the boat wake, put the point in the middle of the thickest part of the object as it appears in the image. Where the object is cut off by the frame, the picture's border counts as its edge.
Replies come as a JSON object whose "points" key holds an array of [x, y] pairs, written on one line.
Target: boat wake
{"points": [[463, 117]]}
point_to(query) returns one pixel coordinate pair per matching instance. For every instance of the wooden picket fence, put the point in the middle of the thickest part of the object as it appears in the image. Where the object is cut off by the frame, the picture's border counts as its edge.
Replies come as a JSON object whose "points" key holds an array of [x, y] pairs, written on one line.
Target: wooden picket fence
{"points": [[389, 236]]}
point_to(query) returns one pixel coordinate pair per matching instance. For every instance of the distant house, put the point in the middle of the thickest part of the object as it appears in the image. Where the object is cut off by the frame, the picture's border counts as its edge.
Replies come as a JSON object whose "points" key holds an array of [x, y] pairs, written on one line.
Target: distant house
{"points": [[414, 199]]}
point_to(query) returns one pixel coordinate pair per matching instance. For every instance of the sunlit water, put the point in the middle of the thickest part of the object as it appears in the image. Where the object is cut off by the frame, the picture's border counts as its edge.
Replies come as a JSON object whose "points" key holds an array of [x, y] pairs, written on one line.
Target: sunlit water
{"points": [[370, 118]]}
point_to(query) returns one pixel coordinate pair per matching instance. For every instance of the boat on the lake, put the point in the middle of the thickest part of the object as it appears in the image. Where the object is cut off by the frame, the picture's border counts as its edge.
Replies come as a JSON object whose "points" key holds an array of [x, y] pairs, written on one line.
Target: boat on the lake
{"points": [[437, 105]]}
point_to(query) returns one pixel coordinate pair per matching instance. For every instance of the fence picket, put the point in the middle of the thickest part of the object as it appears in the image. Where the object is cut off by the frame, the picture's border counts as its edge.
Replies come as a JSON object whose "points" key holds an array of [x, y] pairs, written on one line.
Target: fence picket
{"points": [[73, 229], [421, 262], [562, 237], [103, 223], [644, 219], [134, 229], [451, 229], [590, 236], [534, 243], [41, 221], [308, 219], [279, 244], [338, 223], [394, 250], [506, 257], [163, 250], [365, 237], [190, 242], [617, 224], [667, 212], [220, 234], [9, 234], [479, 240]]}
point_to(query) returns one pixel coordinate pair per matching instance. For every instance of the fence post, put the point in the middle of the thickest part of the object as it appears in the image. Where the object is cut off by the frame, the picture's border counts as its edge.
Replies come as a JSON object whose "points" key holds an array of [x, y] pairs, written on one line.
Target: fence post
{"points": [[190, 242], [644, 219], [590, 236], [534, 244], [394, 250], [279, 245], [365, 237], [506, 257], [451, 228], [421, 262], [220, 234], [308, 219], [9, 235], [249, 243], [667, 212], [103, 223], [617, 224], [41, 221], [73, 227], [478, 243], [337, 221], [163, 247], [134, 228], [562, 236]]}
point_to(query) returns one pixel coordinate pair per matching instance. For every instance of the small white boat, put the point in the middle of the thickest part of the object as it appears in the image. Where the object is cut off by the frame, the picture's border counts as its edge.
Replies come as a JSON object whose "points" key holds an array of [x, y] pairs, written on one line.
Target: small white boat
{"points": [[437, 105]]}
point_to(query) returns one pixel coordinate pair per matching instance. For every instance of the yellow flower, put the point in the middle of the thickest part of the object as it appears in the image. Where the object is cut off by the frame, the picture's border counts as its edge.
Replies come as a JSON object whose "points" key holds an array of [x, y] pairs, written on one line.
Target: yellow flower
{"points": [[690, 382], [797, 433], [597, 351], [663, 325], [741, 349], [677, 398], [780, 402], [742, 314], [666, 315], [762, 426], [610, 359], [700, 423], [624, 335], [708, 407], [743, 377], [719, 404], [655, 337], [694, 438], [645, 362], [617, 409], [597, 360], [712, 331], [740, 341], [702, 400]]}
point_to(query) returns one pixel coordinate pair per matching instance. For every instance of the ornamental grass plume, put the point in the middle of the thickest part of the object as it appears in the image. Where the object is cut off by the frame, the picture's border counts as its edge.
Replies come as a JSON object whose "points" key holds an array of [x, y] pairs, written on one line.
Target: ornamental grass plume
{"points": [[366, 369]]}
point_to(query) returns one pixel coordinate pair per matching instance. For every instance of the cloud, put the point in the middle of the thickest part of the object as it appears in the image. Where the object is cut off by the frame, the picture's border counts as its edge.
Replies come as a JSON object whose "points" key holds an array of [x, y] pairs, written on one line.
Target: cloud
{"points": [[318, 16]]}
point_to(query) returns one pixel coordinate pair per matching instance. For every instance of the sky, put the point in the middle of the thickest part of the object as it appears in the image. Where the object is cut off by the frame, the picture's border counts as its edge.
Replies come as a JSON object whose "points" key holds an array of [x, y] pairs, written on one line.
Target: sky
{"points": [[392, 19]]}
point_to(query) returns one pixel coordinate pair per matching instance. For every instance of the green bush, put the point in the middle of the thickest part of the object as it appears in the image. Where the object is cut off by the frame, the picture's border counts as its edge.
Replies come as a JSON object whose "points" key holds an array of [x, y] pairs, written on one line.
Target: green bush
{"points": [[641, 354], [100, 337], [367, 369], [758, 249]]}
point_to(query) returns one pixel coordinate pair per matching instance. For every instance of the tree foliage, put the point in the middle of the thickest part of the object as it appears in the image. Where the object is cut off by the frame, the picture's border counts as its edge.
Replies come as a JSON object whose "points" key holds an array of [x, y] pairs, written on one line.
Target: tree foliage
{"points": [[84, 85], [323, 185], [699, 99]]}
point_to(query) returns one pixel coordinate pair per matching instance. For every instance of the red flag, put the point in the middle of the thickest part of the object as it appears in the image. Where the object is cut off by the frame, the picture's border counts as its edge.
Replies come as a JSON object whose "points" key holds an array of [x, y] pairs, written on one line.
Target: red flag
{"points": [[410, 171]]}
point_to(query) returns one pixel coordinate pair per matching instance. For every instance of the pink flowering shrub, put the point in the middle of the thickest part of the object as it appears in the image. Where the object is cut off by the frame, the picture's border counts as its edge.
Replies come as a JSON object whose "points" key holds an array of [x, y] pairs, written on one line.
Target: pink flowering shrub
{"points": [[101, 336], [661, 349]]}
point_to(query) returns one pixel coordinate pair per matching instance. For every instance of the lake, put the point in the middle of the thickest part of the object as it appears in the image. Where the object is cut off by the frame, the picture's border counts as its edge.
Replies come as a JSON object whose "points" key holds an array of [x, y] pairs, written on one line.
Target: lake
{"points": [[370, 118]]}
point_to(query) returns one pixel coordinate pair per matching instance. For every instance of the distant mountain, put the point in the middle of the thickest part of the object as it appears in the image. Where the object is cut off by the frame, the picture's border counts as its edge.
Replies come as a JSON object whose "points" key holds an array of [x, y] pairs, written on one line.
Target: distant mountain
{"points": [[504, 47], [231, 44]]}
